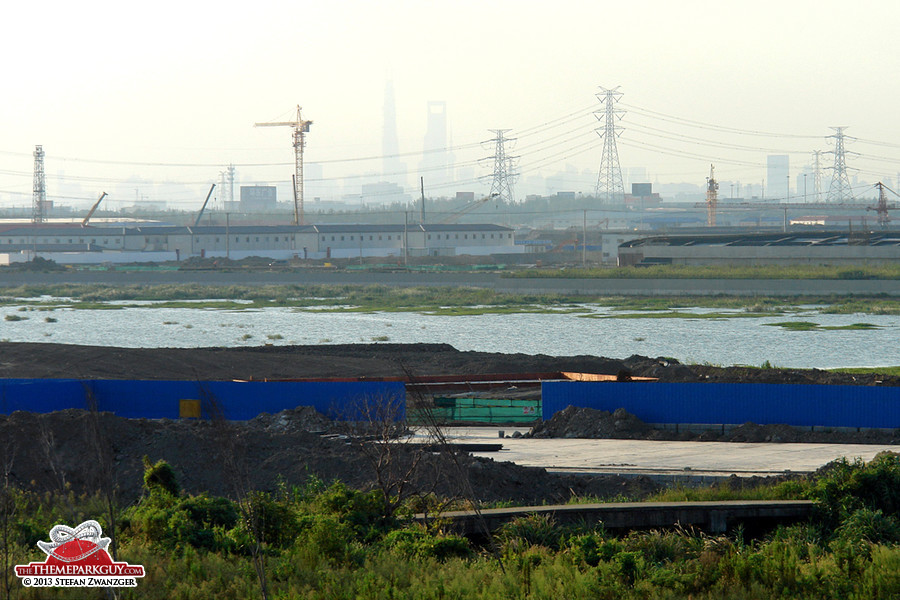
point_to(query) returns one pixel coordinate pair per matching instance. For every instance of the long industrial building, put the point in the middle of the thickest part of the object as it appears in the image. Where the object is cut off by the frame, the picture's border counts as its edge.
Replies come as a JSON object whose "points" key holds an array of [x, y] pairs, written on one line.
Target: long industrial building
{"points": [[73, 244], [791, 248]]}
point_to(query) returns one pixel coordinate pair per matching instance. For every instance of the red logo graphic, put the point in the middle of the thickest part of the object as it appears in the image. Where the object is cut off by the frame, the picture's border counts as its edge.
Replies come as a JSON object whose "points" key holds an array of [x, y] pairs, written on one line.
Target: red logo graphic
{"points": [[78, 558]]}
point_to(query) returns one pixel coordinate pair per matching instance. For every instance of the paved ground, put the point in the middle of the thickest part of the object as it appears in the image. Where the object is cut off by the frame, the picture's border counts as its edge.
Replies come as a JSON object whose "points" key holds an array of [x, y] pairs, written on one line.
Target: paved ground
{"points": [[663, 459]]}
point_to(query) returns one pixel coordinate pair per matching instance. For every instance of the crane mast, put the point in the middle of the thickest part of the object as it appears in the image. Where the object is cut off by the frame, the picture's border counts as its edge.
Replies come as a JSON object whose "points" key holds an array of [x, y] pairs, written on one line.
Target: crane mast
{"points": [[712, 197], [90, 214], [301, 128]]}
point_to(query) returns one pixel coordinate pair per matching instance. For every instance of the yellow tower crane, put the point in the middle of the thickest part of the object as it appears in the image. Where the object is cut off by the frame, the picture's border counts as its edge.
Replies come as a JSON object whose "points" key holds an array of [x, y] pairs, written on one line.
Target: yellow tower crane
{"points": [[712, 197], [301, 128]]}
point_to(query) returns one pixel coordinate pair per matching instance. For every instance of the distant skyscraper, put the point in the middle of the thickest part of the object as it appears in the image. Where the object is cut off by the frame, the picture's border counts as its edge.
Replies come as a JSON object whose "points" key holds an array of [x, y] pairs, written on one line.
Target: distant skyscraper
{"points": [[777, 173], [435, 165], [392, 169]]}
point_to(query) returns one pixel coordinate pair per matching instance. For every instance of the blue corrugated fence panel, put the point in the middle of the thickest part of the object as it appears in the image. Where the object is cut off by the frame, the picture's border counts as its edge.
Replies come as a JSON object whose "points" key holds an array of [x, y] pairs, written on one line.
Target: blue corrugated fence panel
{"points": [[235, 400], [40, 395], [143, 399], [798, 405]]}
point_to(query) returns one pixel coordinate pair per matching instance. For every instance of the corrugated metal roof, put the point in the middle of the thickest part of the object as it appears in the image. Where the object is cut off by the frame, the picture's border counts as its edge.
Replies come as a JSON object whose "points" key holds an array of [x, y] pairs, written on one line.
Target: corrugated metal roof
{"points": [[771, 239]]}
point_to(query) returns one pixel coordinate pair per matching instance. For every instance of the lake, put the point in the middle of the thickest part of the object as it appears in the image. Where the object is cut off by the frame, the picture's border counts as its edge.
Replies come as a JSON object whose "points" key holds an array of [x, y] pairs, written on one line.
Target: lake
{"points": [[721, 341]]}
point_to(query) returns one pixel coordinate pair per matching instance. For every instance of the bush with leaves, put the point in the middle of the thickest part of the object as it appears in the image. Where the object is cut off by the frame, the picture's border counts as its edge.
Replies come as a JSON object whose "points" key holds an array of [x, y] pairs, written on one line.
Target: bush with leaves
{"points": [[418, 542], [849, 486]]}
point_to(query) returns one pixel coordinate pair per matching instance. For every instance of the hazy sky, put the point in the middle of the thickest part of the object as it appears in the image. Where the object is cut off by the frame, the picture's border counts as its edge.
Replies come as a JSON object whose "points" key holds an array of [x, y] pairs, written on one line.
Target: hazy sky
{"points": [[172, 89]]}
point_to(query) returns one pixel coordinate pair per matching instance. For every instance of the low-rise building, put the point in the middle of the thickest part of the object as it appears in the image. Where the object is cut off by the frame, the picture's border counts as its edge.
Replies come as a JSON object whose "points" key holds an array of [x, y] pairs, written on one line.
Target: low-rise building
{"points": [[147, 243]]}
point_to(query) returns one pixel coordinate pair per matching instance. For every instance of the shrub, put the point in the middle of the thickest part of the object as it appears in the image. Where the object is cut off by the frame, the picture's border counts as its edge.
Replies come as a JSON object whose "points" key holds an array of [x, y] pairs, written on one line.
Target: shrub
{"points": [[847, 487], [268, 520], [417, 542], [179, 522], [363, 511], [532, 530], [160, 477], [871, 526]]}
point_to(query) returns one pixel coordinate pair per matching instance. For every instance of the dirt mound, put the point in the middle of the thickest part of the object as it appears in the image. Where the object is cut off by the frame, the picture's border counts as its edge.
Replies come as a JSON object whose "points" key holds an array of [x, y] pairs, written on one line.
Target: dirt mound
{"points": [[575, 422], [68, 450], [34, 360], [302, 418]]}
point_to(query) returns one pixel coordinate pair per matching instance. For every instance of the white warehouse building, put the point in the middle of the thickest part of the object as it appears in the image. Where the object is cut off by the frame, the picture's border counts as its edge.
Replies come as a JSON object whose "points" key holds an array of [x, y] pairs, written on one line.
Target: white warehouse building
{"points": [[73, 244]]}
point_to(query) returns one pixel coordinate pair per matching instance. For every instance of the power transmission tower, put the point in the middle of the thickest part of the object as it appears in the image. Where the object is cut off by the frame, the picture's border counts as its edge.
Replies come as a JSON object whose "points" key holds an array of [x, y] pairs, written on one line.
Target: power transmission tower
{"points": [[840, 190], [504, 168], [817, 176], [712, 197], [301, 128], [230, 172], [609, 182], [39, 199], [884, 218]]}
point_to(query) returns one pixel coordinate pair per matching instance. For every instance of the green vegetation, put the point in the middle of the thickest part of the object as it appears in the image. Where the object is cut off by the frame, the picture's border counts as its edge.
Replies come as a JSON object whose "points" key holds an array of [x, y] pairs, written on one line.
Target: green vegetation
{"points": [[330, 541], [681, 315], [443, 301], [891, 371], [14, 318], [715, 272], [810, 326]]}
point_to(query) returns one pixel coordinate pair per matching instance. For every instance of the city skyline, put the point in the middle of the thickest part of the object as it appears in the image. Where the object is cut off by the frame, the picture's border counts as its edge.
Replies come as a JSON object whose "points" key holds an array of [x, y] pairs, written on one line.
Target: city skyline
{"points": [[129, 99]]}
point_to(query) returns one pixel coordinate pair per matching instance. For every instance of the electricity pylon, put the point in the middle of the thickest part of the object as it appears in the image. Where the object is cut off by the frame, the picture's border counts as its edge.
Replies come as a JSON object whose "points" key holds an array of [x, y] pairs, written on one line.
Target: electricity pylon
{"points": [[609, 182]]}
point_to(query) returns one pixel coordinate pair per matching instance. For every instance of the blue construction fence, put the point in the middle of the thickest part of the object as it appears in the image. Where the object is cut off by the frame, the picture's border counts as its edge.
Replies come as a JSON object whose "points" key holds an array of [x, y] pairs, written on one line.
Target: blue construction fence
{"points": [[234, 400], [733, 403]]}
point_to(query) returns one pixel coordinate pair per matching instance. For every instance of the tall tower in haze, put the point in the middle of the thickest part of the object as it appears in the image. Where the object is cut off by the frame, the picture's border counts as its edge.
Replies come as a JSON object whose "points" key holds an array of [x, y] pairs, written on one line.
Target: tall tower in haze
{"points": [[778, 170], [392, 169], [436, 160]]}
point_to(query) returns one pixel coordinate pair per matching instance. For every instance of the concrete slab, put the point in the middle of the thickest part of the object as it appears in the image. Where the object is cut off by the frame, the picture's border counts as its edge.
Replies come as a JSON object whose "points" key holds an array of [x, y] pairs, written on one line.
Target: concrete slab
{"points": [[632, 457]]}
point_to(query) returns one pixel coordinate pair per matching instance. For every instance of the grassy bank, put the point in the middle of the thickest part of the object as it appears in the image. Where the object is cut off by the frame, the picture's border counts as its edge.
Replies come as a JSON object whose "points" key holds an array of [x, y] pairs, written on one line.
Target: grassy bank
{"points": [[716, 272], [318, 541], [434, 300]]}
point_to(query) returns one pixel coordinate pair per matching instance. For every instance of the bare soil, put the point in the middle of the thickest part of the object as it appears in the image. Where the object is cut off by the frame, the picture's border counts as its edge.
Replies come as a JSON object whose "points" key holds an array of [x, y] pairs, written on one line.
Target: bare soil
{"points": [[59, 451], [36, 360]]}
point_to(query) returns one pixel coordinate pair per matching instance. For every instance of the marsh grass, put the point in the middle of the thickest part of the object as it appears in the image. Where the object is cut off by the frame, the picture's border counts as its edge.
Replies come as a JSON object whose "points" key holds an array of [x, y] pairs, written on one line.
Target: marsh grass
{"points": [[444, 301], [681, 315], [810, 326], [892, 371], [715, 272]]}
